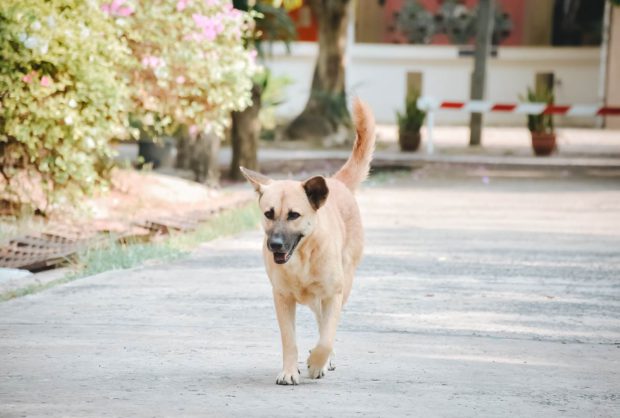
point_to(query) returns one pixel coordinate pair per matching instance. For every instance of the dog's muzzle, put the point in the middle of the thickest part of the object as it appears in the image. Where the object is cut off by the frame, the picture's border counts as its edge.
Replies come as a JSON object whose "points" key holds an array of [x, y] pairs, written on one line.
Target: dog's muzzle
{"points": [[281, 247]]}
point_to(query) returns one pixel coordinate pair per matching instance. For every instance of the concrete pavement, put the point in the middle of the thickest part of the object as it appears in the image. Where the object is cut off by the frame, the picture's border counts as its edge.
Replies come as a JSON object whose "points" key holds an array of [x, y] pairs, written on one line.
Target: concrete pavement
{"points": [[492, 293]]}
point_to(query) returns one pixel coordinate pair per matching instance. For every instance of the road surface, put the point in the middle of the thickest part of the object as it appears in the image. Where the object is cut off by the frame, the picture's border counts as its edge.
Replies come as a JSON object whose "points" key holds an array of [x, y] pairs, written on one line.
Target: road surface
{"points": [[482, 293]]}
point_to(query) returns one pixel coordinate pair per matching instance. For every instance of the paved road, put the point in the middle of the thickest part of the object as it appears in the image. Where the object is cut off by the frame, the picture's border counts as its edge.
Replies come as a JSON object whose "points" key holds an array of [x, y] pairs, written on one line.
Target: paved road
{"points": [[481, 294]]}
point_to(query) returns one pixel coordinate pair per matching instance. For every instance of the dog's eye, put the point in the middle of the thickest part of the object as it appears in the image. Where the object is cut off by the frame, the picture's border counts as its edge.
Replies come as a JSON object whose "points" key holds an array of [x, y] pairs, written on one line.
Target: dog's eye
{"points": [[293, 215], [269, 214]]}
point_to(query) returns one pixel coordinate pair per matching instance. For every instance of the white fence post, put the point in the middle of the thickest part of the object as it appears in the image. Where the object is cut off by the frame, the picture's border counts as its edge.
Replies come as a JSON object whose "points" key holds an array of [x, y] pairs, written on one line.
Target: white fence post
{"points": [[430, 121], [429, 105]]}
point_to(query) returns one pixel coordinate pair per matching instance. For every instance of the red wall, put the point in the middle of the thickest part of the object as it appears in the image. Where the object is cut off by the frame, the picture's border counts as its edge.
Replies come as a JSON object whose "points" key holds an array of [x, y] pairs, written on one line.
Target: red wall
{"points": [[305, 32], [514, 8]]}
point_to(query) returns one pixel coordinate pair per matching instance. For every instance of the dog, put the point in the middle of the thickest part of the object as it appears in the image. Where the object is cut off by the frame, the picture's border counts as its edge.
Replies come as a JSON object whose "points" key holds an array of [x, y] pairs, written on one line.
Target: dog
{"points": [[312, 246]]}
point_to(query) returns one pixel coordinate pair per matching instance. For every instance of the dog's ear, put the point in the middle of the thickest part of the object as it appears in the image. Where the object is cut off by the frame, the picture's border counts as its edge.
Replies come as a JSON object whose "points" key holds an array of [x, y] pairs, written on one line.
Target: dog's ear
{"points": [[316, 190], [256, 179]]}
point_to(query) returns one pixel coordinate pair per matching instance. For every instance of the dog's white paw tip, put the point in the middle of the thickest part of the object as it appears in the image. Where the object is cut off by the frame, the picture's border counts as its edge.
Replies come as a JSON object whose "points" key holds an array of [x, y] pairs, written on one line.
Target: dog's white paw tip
{"points": [[288, 378], [316, 372], [331, 365]]}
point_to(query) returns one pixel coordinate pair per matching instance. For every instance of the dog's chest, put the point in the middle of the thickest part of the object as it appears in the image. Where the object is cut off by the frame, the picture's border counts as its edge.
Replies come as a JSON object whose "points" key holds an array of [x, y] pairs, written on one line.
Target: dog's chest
{"points": [[306, 287]]}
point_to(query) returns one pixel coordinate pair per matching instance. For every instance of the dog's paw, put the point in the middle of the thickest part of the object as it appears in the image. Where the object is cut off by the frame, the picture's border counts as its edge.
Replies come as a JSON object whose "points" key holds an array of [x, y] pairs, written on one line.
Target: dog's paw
{"points": [[316, 372], [286, 378], [318, 362], [331, 366]]}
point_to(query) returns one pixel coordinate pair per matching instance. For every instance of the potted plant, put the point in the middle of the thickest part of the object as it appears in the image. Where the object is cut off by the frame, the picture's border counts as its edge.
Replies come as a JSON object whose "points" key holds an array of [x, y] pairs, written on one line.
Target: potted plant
{"points": [[409, 123], [541, 125], [158, 149]]}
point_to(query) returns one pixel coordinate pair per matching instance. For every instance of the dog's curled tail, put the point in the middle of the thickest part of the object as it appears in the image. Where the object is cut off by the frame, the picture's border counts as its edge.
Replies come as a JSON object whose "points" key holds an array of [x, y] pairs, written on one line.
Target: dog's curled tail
{"points": [[356, 169]]}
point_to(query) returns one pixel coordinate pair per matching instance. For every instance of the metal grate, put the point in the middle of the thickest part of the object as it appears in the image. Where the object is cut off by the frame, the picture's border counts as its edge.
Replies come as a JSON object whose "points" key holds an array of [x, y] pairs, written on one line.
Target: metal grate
{"points": [[60, 242], [38, 252], [164, 225]]}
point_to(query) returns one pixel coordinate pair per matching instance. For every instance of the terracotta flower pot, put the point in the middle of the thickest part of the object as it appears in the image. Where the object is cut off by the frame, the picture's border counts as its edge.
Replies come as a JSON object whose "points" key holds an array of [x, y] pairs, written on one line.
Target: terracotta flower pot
{"points": [[409, 140], [543, 143]]}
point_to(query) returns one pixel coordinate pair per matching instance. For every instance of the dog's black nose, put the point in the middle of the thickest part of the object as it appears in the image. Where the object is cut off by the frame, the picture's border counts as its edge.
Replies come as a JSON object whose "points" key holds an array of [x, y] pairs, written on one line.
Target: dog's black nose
{"points": [[275, 243]]}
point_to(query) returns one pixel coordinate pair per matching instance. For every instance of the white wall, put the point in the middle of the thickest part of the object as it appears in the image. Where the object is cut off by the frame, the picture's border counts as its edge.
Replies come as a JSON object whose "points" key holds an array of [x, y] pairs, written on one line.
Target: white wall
{"points": [[378, 74]]}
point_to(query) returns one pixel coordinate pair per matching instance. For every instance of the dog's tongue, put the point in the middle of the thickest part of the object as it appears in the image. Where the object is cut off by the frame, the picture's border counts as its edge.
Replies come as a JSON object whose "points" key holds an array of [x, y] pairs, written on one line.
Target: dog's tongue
{"points": [[280, 258]]}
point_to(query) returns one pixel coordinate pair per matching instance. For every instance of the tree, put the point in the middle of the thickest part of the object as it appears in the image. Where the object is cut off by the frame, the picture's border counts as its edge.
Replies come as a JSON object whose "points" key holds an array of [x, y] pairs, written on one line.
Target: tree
{"points": [[192, 69], [245, 135], [326, 112]]}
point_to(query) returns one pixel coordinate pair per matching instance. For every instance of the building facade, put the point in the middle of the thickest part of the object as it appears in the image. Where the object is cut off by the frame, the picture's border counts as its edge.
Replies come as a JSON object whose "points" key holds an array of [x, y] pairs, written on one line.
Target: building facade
{"points": [[557, 42]]}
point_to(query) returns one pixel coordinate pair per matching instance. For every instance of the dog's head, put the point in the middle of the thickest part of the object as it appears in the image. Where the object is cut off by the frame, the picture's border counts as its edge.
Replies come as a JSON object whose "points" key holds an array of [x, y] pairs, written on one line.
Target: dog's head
{"points": [[289, 210]]}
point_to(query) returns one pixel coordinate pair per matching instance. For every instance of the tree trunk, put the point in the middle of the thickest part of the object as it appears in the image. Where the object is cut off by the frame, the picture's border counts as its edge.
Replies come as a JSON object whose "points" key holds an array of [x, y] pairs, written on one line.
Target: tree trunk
{"points": [[245, 136], [326, 111], [199, 154], [184, 147], [204, 159]]}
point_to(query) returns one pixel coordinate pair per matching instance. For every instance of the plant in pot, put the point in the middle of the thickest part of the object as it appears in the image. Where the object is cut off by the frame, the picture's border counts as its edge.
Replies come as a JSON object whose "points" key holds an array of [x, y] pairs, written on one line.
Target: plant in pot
{"points": [[156, 145], [541, 125], [409, 124]]}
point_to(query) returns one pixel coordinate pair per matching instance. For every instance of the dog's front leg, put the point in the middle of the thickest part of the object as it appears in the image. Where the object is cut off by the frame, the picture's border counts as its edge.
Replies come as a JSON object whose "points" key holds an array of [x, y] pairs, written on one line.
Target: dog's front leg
{"points": [[328, 322], [285, 310]]}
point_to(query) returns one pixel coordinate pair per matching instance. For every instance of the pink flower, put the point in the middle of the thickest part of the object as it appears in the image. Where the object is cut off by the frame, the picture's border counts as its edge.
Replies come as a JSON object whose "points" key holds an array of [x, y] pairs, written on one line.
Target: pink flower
{"points": [[193, 130], [180, 79], [233, 13], [46, 81], [182, 4], [150, 61], [211, 27], [124, 11], [29, 77], [116, 8]]}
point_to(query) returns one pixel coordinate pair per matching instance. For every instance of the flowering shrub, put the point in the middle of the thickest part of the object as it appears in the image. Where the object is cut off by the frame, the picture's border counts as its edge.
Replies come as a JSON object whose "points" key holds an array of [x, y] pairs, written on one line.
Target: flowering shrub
{"points": [[71, 71], [61, 96], [191, 64]]}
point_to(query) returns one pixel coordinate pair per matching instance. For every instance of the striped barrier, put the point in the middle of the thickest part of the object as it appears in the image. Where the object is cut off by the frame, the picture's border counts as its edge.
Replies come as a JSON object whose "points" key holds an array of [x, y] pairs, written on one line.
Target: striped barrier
{"points": [[431, 106]]}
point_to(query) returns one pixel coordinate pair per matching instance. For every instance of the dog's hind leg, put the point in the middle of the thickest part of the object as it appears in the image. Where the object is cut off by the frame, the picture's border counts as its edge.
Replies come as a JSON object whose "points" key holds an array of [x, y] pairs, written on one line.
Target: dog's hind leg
{"points": [[328, 323], [285, 311]]}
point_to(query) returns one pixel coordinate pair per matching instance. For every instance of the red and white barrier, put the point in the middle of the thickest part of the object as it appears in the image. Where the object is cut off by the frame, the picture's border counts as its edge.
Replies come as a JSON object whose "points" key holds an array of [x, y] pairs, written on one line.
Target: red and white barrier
{"points": [[430, 105]]}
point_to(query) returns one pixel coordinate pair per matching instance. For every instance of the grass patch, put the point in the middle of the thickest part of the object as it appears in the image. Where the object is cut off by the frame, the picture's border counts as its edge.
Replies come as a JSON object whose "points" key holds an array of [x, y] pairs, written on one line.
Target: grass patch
{"points": [[384, 176], [123, 256], [114, 255], [33, 288]]}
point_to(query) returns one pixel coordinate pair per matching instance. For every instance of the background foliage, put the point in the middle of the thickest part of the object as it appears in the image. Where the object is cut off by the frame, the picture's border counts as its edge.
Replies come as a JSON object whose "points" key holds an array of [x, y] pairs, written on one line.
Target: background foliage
{"points": [[413, 117], [62, 93], [191, 65], [72, 71]]}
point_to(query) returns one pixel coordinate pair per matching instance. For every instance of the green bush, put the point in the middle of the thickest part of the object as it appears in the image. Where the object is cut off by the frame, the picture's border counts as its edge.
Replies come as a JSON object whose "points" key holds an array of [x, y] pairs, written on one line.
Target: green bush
{"points": [[62, 95], [73, 71]]}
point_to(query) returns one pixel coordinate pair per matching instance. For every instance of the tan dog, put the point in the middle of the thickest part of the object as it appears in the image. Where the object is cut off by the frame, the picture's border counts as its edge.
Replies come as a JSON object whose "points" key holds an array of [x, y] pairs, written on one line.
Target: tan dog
{"points": [[313, 244]]}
